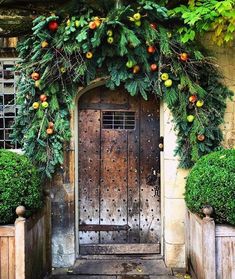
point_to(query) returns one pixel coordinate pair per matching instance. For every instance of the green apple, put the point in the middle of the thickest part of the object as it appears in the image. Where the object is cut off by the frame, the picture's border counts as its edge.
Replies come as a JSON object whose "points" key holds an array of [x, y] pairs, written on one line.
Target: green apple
{"points": [[190, 118], [164, 76], [168, 83], [129, 64], [138, 23], [45, 105], [110, 40]]}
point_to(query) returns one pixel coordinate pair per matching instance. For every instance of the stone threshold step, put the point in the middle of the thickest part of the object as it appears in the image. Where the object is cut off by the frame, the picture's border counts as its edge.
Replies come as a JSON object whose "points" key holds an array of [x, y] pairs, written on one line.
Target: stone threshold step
{"points": [[112, 277], [114, 267]]}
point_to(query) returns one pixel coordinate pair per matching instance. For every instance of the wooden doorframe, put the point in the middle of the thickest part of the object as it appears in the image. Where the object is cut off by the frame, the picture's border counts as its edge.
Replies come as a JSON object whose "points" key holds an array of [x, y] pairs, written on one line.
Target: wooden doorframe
{"points": [[82, 90]]}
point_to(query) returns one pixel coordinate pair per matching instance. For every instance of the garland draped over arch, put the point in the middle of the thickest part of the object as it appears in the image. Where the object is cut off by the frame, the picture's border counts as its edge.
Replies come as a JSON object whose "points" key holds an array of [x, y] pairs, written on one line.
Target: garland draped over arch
{"points": [[135, 46]]}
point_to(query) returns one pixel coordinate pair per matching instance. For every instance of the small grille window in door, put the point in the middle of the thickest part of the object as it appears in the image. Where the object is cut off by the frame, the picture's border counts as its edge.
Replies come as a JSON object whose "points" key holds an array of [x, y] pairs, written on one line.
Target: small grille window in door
{"points": [[118, 120]]}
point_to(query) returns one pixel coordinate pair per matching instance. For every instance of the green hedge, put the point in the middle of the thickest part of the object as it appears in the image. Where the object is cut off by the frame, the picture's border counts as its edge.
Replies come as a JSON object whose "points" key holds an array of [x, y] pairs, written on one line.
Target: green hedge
{"points": [[19, 185], [212, 181]]}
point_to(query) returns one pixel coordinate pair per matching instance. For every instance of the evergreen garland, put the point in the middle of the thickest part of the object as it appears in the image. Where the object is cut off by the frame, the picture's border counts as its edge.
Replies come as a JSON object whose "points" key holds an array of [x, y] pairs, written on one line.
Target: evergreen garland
{"points": [[132, 45]]}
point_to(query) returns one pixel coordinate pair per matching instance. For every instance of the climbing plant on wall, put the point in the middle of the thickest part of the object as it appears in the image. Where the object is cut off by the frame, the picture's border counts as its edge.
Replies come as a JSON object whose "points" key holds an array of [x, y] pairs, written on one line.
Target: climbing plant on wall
{"points": [[134, 46]]}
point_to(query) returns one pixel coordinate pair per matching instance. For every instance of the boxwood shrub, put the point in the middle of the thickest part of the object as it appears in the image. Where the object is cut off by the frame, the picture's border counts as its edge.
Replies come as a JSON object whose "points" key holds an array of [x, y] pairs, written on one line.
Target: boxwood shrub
{"points": [[212, 182], [19, 185]]}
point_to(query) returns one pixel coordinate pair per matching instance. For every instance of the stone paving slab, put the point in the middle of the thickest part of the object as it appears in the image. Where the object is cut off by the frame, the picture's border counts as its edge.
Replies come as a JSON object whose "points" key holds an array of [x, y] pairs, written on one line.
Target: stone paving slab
{"points": [[112, 277], [135, 266]]}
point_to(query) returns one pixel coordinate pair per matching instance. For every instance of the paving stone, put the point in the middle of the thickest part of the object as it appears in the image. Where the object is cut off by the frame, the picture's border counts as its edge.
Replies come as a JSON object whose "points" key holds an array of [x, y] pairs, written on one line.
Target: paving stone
{"points": [[135, 266]]}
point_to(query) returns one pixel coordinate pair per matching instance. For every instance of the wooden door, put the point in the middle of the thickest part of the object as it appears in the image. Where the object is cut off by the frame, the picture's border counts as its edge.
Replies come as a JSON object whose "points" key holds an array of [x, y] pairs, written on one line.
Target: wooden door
{"points": [[119, 173]]}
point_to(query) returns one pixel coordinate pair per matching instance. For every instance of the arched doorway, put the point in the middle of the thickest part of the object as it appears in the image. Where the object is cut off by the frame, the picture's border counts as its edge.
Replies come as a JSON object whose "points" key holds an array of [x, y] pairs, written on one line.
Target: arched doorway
{"points": [[118, 173]]}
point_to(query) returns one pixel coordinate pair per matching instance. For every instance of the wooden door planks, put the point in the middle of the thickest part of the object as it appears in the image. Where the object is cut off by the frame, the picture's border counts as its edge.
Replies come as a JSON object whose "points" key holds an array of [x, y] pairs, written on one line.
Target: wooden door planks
{"points": [[89, 172], [119, 161], [149, 165]]}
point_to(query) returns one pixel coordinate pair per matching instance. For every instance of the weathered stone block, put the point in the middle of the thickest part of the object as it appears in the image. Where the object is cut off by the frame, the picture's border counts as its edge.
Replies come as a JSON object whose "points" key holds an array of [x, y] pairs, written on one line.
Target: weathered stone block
{"points": [[175, 255], [174, 221]]}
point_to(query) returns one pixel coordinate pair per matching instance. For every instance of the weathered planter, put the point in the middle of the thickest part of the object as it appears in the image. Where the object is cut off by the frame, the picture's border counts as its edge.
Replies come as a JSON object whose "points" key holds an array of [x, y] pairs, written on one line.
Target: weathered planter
{"points": [[210, 248], [25, 246]]}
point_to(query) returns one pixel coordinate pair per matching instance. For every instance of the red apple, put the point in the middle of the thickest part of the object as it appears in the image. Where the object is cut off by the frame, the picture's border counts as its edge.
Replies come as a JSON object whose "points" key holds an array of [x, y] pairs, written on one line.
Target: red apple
{"points": [[53, 25], [151, 49], [153, 25], [153, 67], [192, 99]]}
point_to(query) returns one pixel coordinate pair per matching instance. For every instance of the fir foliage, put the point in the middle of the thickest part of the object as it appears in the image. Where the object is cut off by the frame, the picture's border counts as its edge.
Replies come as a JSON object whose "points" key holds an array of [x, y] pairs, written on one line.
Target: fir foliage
{"points": [[122, 48]]}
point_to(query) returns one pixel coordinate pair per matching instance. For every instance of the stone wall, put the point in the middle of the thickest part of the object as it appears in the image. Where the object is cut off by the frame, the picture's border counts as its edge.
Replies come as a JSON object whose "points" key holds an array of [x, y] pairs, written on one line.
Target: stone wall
{"points": [[173, 178]]}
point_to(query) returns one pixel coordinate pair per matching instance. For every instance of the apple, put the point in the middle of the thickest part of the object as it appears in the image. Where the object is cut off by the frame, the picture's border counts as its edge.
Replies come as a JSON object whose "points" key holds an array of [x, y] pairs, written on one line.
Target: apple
{"points": [[153, 25], [129, 64], [36, 105], [137, 16], [35, 76], [77, 23], [44, 44], [200, 137], [49, 131], [109, 33], [136, 69], [51, 125], [192, 99], [37, 83], [190, 118], [153, 67], [43, 97], [63, 70], [110, 40], [199, 103], [44, 105], [184, 56], [53, 25], [168, 83], [164, 76], [89, 55], [97, 22], [169, 35], [92, 25], [138, 23], [151, 49], [68, 22]]}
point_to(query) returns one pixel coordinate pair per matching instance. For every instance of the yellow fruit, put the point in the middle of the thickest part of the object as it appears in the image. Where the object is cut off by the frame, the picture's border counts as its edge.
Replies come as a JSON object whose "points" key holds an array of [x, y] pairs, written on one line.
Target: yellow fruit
{"points": [[77, 23], [168, 83], [164, 76], [110, 33], [89, 55], [68, 22], [36, 105], [62, 70], [199, 103], [190, 118], [97, 22], [37, 83], [137, 16], [44, 44], [110, 40]]}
